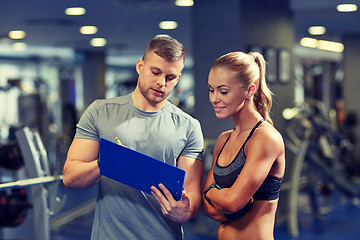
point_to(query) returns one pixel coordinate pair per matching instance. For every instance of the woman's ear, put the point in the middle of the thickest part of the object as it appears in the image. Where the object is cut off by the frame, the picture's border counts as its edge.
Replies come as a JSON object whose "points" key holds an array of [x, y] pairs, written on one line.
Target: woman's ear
{"points": [[251, 91]]}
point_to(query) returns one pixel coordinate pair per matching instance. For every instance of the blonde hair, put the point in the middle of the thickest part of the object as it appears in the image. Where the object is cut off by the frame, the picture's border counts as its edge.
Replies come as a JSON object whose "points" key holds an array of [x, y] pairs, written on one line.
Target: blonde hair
{"points": [[251, 69]]}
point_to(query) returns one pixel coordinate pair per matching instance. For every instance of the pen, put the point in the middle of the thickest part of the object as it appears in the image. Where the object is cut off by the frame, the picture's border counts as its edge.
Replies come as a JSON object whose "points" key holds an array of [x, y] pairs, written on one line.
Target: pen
{"points": [[118, 140]]}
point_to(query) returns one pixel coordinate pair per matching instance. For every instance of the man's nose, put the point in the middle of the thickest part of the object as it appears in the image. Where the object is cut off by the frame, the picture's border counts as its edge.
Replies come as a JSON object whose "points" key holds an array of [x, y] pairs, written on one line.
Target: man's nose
{"points": [[161, 80]]}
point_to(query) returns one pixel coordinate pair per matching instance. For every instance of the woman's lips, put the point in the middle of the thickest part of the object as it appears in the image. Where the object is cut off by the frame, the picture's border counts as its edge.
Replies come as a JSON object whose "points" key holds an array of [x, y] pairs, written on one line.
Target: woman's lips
{"points": [[218, 109]]}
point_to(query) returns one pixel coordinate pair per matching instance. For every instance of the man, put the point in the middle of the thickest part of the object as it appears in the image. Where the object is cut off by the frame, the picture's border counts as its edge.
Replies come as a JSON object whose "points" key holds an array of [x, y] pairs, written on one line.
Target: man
{"points": [[144, 121]]}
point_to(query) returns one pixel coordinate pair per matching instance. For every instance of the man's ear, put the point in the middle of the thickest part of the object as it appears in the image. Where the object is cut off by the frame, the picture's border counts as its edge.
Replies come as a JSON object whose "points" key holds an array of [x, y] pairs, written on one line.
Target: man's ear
{"points": [[251, 91], [177, 80], [139, 65]]}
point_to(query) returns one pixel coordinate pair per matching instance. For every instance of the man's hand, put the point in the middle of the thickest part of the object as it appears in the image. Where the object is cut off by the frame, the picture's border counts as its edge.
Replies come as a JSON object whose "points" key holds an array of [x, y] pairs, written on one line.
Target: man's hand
{"points": [[177, 211]]}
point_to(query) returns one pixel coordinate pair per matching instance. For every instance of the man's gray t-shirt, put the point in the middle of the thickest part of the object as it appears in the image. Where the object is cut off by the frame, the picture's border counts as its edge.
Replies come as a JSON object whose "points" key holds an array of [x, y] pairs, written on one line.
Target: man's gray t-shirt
{"points": [[123, 212]]}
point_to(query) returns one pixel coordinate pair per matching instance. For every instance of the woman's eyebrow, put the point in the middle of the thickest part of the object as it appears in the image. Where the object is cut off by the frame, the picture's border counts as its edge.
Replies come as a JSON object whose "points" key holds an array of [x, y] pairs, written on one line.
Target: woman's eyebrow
{"points": [[221, 86]]}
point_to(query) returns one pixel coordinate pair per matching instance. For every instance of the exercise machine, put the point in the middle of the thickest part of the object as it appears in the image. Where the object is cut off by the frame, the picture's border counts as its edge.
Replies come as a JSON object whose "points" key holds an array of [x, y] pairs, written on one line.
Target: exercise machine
{"points": [[47, 197], [317, 153]]}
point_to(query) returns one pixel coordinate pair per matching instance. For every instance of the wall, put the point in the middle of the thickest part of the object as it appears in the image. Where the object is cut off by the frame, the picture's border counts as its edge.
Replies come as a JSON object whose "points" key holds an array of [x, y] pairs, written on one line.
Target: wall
{"points": [[352, 81], [234, 25], [216, 31]]}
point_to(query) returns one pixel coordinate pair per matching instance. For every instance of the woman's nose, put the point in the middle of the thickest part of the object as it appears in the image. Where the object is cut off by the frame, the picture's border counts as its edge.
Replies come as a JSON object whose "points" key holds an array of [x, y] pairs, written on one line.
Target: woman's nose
{"points": [[213, 97]]}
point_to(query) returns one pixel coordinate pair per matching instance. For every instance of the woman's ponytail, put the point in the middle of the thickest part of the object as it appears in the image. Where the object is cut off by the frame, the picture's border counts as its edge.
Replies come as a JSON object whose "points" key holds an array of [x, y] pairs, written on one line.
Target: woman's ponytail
{"points": [[263, 95]]}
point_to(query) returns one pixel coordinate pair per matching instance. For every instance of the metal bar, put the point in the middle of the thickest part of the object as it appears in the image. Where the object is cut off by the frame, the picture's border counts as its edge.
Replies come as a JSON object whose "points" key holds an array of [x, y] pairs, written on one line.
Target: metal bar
{"points": [[30, 182]]}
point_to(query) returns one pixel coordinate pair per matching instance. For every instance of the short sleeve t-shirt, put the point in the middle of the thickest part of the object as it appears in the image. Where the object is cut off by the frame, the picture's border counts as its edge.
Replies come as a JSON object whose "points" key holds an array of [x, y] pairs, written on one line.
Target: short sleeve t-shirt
{"points": [[121, 211]]}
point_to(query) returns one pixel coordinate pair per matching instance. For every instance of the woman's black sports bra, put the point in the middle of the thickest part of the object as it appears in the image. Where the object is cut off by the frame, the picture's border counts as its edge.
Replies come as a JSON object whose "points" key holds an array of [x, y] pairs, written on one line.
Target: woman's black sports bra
{"points": [[225, 176]]}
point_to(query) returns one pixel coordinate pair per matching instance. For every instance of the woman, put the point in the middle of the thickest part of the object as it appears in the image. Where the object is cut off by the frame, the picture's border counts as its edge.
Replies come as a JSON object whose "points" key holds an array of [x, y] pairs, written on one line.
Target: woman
{"points": [[242, 187]]}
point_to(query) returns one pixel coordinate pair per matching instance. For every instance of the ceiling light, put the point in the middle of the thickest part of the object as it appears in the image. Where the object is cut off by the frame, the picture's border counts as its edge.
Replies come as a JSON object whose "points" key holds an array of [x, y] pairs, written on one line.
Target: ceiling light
{"points": [[98, 42], [322, 44], [75, 11], [317, 30], [309, 42], [330, 46], [346, 8], [88, 30], [162, 35], [17, 34], [184, 3], [168, 25], [19, 46]]}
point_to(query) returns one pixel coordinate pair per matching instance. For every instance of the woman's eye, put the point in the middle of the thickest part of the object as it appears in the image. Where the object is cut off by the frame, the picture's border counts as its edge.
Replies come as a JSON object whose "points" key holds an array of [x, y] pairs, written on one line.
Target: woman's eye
{"points": [[156, 73], [224, 93]]}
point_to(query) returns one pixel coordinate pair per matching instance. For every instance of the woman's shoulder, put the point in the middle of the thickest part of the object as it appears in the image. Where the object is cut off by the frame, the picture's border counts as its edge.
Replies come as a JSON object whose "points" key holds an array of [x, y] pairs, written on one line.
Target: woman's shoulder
{"points": [[266, 142], [269, 134]]}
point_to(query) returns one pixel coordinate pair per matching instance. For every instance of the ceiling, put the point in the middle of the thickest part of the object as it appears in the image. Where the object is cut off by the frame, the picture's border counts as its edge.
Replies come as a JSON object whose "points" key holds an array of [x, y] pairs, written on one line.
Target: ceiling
{"points": [[128, 25], [323, 12]]}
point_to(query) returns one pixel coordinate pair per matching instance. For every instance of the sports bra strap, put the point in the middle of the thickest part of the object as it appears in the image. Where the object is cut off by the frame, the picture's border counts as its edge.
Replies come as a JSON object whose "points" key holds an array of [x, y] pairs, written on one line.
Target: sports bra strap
{"points": [[252, 131]]}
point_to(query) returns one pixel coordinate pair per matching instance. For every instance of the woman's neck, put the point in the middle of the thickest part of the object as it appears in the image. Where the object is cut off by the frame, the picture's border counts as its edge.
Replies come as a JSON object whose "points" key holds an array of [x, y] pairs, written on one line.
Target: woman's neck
{"points": [[247, 117]]}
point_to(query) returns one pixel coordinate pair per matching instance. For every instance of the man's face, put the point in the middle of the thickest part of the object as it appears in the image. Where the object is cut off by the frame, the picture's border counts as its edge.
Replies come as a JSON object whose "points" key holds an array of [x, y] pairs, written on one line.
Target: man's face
{"points": [[157, 77]]}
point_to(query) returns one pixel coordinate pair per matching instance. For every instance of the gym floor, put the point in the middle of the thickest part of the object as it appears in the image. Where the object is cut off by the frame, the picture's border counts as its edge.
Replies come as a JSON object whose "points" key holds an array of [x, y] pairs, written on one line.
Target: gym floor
{"points": [[338, 220]]}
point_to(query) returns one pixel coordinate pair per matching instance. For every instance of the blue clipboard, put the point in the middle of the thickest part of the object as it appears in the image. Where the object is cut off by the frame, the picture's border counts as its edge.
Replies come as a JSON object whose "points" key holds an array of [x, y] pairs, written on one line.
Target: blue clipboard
{"points": [[138, 170]]}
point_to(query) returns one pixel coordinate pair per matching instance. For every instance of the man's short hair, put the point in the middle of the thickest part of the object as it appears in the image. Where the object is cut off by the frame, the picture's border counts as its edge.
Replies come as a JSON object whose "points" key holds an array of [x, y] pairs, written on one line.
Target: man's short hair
{"points": [[166, 47]]}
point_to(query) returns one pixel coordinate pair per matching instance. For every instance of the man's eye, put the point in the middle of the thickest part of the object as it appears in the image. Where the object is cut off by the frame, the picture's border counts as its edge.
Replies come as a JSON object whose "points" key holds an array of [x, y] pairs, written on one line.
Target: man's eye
{"points": [[156, 73]]}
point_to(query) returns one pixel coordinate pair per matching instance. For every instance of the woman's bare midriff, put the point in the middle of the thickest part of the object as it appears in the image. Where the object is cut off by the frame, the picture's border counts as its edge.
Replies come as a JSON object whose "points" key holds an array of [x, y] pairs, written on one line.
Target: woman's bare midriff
{"points": [[257, 224]]}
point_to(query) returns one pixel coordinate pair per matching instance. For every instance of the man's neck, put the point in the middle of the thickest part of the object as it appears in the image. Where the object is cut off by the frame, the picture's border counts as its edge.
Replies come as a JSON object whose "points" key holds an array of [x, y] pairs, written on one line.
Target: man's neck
{"points": [[141, 103]]}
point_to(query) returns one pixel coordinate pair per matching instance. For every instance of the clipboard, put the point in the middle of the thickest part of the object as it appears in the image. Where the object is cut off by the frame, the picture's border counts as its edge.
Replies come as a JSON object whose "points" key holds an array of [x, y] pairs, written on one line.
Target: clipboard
{"points": [[138, 170]]}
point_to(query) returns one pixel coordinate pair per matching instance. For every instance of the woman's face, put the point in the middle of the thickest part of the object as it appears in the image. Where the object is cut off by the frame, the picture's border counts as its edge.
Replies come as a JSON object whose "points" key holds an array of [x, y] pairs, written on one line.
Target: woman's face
{"points": [[225, 92]]}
